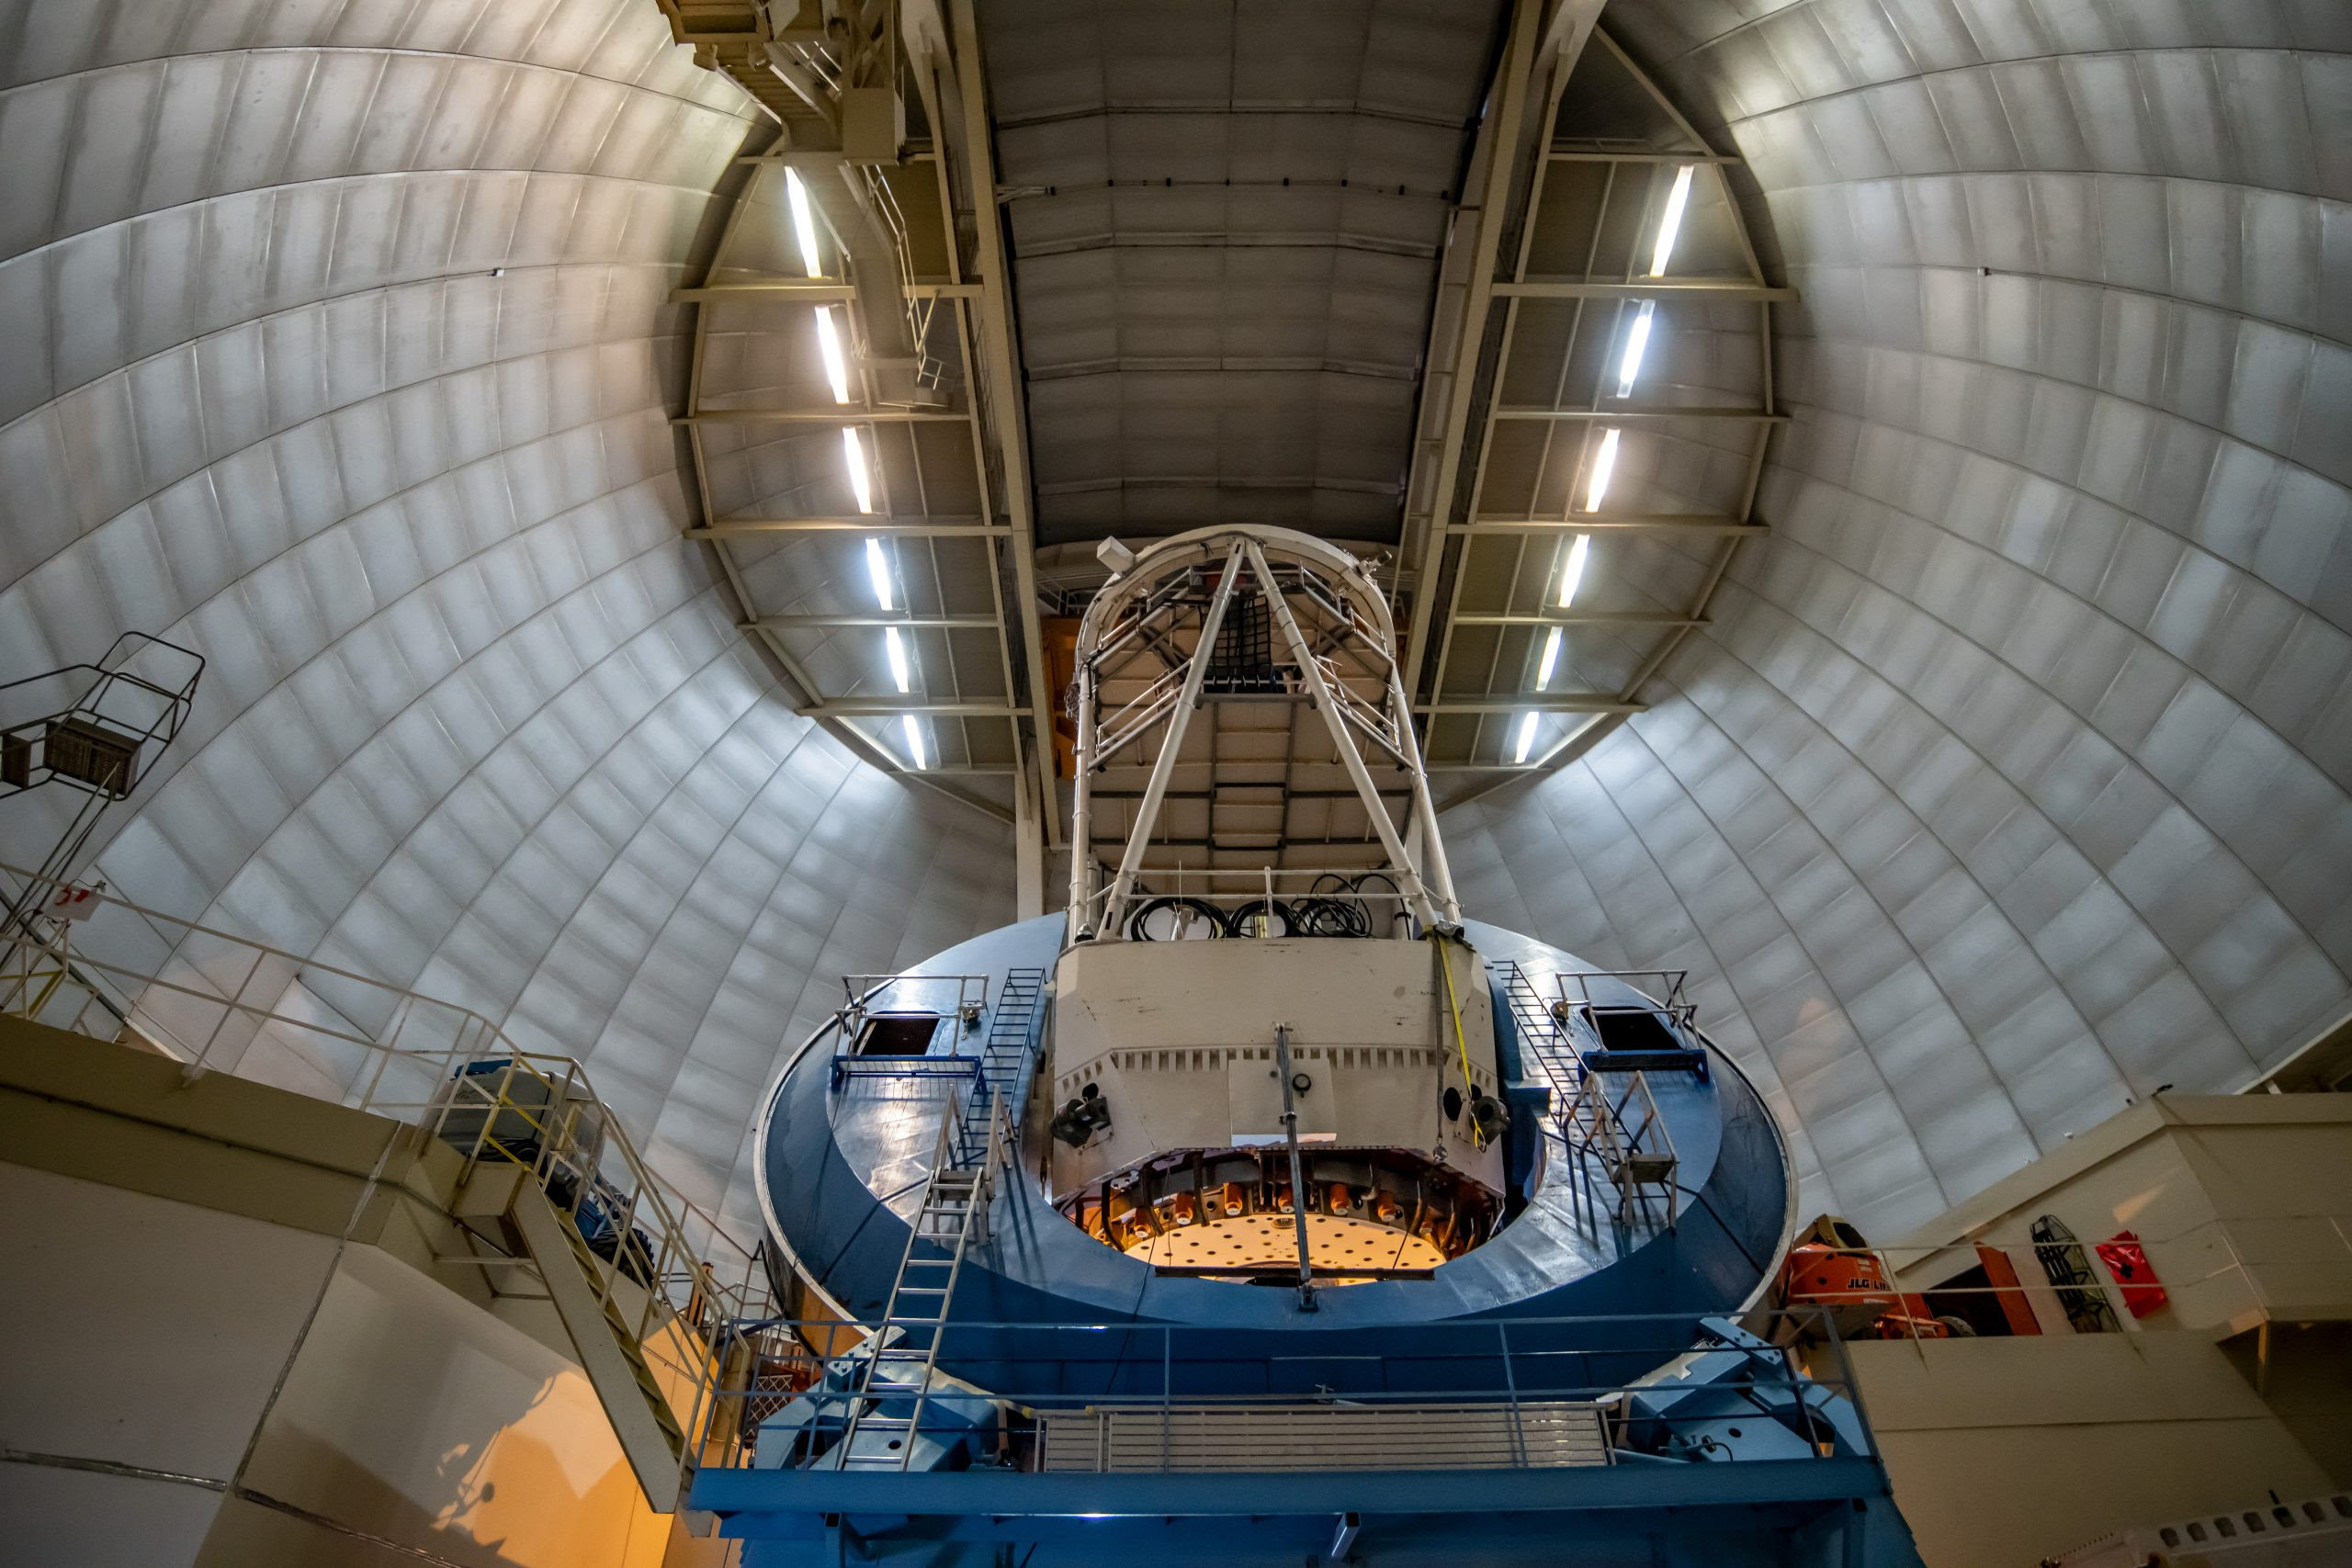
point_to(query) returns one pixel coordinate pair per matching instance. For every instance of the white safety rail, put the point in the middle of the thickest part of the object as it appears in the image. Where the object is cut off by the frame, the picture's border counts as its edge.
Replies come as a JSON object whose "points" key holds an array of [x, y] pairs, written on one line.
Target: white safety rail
{"points": [[650, 1285]]}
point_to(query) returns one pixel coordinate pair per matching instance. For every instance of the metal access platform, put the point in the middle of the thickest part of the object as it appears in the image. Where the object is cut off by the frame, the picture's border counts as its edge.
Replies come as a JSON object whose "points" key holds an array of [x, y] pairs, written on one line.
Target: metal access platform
{"points": [[1466, 1444]]}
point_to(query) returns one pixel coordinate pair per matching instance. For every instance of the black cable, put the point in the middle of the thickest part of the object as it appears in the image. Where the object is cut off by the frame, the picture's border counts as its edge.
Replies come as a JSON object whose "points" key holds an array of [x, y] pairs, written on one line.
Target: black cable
{"points": [[1238, 922], [1364, 903], [1209, 913]]}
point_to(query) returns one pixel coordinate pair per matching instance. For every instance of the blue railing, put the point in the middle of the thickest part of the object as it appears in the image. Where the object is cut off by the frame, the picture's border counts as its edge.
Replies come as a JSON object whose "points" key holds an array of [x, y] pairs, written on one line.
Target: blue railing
{"points": [[1659, 1386]]}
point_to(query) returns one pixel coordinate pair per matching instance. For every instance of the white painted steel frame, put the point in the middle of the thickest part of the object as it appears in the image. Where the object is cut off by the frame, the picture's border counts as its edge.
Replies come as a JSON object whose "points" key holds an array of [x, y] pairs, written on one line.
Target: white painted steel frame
{"points": [[1146, 595], [914, 54], [1435, 620]]}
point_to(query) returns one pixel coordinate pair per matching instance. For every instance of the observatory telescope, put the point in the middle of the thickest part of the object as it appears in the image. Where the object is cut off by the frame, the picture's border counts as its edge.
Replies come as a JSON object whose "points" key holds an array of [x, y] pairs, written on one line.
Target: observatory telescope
{"points": [[1260, 1203]]}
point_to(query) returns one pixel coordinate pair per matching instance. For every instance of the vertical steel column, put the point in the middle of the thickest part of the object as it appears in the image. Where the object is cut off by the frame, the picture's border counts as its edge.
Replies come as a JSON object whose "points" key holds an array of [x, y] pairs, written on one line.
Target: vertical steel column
{"points": [[1440, 871], [1082, 824], [1416, 894], [1297, 1168]]}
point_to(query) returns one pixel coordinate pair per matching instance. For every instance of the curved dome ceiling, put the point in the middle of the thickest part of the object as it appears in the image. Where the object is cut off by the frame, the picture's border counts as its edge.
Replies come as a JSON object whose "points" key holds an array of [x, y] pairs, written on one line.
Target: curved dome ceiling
{"points": [[2010, 780], [340, 351]]}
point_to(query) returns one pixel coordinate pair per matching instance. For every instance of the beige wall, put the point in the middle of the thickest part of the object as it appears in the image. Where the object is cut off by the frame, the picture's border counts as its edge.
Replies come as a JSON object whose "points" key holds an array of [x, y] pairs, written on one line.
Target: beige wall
{"points": [[2243, 1203], [2003, 1451], [129, 1341], [413, 1415], [163, 1247]]}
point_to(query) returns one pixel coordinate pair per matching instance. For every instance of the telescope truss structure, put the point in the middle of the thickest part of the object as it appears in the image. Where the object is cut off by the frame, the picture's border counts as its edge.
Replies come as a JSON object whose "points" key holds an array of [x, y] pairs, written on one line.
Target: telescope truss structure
{"points": [[1245, 739]]}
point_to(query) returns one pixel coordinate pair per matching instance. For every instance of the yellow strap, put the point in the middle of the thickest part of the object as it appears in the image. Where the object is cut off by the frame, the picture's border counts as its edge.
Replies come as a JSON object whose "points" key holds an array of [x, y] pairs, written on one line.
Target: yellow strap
{"points": [[1461, 1042]]}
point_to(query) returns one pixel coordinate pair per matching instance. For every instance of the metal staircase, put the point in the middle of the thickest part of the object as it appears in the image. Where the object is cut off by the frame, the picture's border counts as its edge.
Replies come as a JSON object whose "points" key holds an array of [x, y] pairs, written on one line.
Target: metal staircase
{"points": [[1004, 1059], [1629, 1141], [1542, 1038], [1626, 1138], [582, 1288], [545, 1176], [902, 1357]]}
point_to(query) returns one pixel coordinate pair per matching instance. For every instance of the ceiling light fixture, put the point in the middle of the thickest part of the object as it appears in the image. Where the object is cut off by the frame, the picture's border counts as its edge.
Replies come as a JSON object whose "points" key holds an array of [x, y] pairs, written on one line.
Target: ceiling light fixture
{"points": [[1572, 569], [829, 348], [1526, 739], [804, 223], [1671, 225], [861, 483], [1550, 660], [1637, 340], [899, 671], [877, 567], [913, 733], [1604, 464]]}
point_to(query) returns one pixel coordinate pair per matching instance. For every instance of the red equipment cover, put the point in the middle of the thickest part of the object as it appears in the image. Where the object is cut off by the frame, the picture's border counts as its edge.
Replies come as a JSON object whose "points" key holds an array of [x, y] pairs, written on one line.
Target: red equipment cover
{"points": [[2128, 1261]]}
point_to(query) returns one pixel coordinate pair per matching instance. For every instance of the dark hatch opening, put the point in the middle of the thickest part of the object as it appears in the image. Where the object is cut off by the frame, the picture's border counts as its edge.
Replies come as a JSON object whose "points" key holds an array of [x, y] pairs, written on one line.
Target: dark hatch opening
{"points": [[898, 1034]]}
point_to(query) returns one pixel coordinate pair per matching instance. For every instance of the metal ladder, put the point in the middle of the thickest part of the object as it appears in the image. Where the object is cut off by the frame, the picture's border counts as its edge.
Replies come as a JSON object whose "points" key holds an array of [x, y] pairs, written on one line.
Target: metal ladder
{"points": [[1004, 1056], [1542, 1038], [905, 1344], [1631, 1142]]}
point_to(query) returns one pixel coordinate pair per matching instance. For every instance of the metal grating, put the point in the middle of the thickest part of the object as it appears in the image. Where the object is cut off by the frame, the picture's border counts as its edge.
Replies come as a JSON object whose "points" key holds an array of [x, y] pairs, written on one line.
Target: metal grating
{"points": [[1544, 1433]]}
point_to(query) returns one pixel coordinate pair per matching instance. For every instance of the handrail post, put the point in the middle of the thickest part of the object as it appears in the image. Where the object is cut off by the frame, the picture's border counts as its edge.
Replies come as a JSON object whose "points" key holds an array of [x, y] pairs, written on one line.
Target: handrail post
{"points": [[228, 1004], [1511, 1386], [1851, 1389]]}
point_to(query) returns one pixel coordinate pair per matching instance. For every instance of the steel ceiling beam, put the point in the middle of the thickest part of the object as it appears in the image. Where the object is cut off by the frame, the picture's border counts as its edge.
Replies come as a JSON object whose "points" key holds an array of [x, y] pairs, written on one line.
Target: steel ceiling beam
{"points": [[1553, 702], [835, 417], [1736, 289], [912, 623], [1586, 291], [812, 288], [1583, 618], [780, 289], [1634, 523], [999, 363], [891, 708], [1644, 416], [884, 297], [1602, 155], [1500, 134], [916, 527]]}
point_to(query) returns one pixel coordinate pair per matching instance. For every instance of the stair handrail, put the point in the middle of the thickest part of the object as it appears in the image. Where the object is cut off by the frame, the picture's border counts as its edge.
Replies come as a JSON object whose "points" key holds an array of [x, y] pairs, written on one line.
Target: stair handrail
{"points": [[537, 1110]]}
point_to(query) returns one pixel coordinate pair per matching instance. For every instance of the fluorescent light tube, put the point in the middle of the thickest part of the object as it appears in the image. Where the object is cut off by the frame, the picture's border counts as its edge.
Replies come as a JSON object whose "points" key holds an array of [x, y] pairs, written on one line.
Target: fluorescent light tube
{"points": [[899, 671], [1671, 225], [1526, 738], [1604, 464], [913, 732], [804, 223], [1638, 341], [1551, 659], [862, 483], [1572, 570], [877, 567], [829, 348]]}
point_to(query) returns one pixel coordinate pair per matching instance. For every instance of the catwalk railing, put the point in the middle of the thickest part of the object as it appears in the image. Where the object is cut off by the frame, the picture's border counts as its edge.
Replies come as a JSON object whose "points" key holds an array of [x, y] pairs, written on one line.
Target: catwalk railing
{"points": [[665, 1273], [1131, 1396], [2221, 1273]]}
